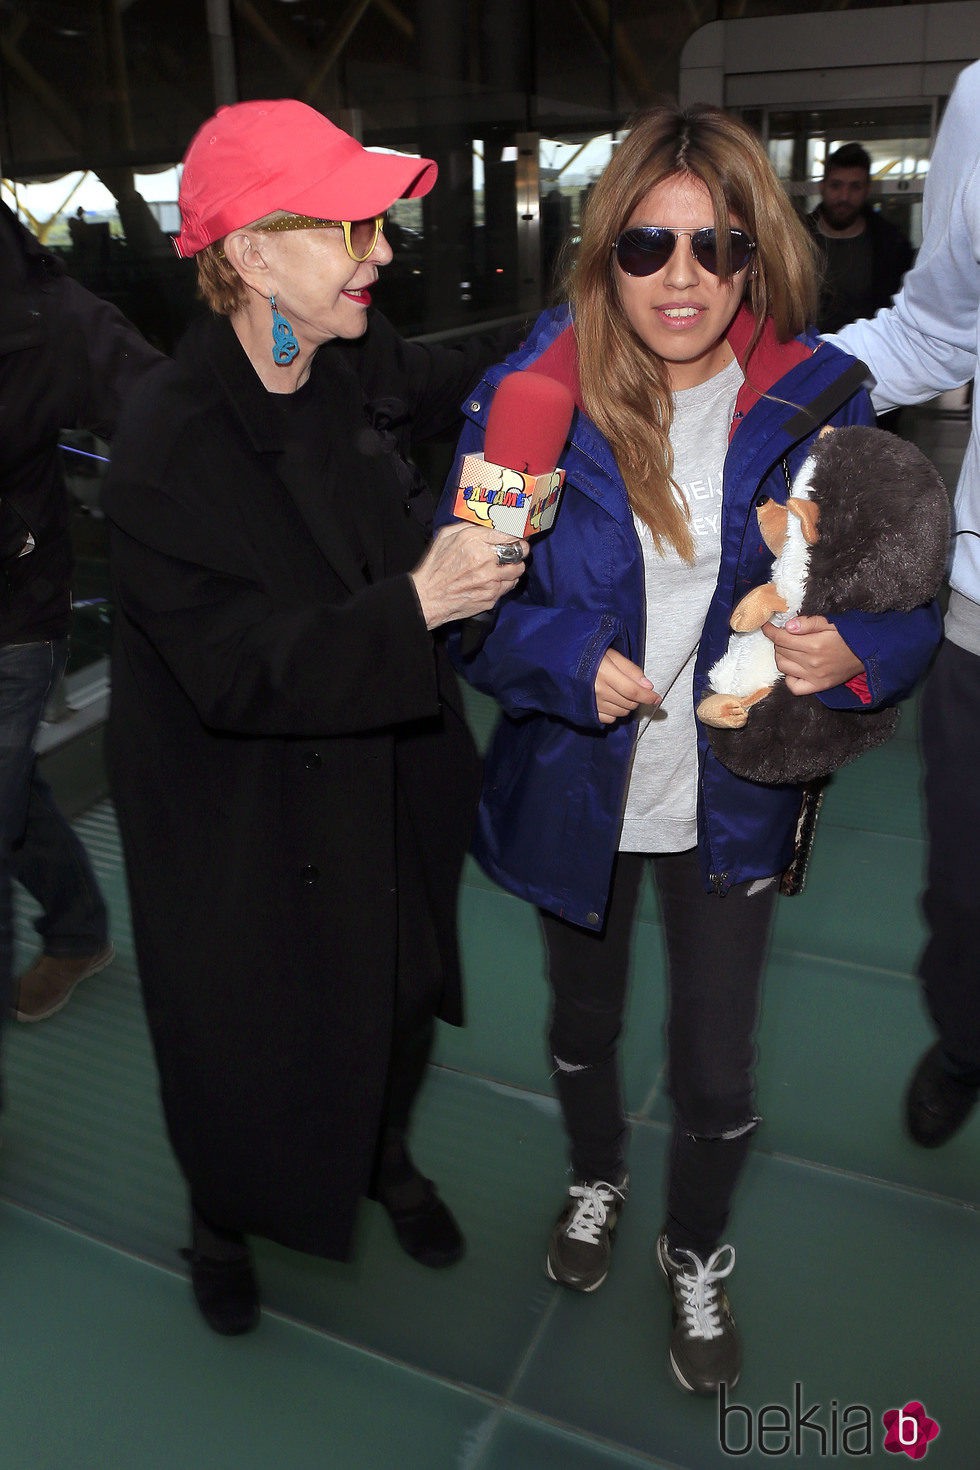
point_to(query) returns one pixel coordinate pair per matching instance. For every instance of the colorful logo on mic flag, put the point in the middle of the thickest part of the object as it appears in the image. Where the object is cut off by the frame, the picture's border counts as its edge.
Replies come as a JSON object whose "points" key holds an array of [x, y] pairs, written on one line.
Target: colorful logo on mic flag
{"points": [[508, 500]]}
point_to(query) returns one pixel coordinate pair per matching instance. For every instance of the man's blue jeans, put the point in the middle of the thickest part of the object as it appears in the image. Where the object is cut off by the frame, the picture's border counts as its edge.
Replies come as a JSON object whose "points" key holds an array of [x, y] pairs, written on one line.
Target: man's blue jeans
{"points": [[37, 845]]}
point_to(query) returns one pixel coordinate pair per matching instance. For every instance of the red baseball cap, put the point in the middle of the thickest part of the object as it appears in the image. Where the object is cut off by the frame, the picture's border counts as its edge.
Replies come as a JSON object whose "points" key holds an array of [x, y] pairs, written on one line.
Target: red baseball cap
{"points": [[253, 158]]}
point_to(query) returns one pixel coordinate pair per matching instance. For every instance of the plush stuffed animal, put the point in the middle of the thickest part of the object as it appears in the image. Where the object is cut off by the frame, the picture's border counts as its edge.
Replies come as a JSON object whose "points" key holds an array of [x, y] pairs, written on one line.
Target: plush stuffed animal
{"points": [[866, 529]]}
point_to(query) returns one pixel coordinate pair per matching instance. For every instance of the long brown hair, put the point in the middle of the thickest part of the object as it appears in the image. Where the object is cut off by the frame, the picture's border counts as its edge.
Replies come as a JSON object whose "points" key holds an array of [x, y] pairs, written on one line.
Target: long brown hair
{"points": [[625, 386]]}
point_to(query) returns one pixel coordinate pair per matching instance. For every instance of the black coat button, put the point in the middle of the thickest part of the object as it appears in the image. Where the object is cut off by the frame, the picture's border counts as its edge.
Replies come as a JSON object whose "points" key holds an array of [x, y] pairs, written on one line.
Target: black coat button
{"points": [[309, 876], [314, 761]]}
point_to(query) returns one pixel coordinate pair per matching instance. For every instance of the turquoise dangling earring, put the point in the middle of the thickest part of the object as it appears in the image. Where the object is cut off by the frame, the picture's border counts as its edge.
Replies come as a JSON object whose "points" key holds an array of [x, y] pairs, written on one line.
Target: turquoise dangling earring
{"points": [[284, 344]]}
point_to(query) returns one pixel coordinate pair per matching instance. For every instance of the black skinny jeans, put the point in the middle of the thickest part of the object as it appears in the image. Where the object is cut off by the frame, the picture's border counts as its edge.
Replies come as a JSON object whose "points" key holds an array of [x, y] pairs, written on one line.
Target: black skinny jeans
{"points": [[716, 952]]}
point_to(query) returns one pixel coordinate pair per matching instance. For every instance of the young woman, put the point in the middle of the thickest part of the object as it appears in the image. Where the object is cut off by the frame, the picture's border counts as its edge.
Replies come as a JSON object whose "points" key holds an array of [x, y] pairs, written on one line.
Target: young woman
{"points": [[699, 389]]}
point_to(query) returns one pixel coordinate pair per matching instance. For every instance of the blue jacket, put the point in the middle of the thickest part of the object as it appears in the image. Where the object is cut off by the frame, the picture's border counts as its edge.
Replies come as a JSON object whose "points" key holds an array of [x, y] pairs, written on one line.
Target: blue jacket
{"points": [[555, 780]]}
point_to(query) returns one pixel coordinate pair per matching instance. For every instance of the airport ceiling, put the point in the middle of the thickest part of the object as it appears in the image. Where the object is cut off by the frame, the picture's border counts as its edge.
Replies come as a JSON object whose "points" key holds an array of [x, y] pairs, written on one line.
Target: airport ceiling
{"points": [[117, 85]]}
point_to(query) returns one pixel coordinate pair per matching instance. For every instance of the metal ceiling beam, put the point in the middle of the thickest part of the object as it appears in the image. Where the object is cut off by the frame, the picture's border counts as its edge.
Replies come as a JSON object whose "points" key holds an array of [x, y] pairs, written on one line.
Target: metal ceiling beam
{"points": [[270, 34], [396, 15], [345, 28], [63, 116], [609, 32]]}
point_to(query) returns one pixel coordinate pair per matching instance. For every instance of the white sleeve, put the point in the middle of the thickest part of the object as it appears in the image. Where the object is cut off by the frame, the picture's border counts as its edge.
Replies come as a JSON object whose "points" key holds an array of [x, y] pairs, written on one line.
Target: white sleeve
{"points": [[927, 341]]}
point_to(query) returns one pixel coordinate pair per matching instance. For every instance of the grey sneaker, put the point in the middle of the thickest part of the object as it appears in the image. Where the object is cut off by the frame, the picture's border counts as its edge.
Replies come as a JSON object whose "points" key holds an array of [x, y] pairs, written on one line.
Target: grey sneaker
{"points": [[581, 1242], [705, 1348]]}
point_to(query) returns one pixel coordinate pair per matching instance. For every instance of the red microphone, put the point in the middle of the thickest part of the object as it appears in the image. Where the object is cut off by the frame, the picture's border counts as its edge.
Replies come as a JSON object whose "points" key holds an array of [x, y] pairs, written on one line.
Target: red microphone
{"points": [[515, 485], [529, 421]]}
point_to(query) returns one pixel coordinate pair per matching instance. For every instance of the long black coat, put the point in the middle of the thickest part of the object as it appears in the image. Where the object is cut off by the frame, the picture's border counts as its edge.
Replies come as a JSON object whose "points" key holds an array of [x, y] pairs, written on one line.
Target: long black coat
{"points": [[276, 700]]}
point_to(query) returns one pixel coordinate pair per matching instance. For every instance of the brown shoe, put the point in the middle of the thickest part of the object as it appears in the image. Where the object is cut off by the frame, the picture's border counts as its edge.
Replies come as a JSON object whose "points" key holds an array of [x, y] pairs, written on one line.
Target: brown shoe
{"points": [[48, 984]]}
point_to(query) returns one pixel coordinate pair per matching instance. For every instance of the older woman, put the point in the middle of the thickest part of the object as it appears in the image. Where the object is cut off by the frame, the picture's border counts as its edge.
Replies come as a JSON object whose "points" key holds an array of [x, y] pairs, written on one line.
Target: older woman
{"points": [[291, 768]]}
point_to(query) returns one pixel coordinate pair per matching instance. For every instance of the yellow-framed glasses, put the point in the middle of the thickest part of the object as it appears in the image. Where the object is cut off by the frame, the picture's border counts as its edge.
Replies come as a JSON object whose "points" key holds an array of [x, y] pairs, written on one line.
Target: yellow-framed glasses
{"points": [[360, 235]]}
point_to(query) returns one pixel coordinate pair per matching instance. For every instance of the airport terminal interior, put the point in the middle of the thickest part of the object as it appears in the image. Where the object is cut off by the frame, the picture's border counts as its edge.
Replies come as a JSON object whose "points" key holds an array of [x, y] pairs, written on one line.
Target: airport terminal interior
{"points": [[857, 1287]]}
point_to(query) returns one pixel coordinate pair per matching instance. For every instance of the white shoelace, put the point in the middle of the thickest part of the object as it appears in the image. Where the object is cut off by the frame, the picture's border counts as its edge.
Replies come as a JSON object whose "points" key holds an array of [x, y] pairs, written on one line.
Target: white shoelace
{"points": [[699, 1291], [592, 1209]]}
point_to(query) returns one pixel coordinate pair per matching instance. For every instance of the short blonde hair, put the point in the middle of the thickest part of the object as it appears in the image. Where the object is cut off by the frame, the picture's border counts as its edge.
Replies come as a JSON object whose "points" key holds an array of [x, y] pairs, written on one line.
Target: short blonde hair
{"points": [[625, 386], [218, 283]]}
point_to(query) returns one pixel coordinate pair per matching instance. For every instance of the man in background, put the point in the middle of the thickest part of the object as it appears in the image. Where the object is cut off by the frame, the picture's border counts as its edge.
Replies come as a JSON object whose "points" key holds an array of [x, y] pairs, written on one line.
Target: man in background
{"points": [[865, 256]]}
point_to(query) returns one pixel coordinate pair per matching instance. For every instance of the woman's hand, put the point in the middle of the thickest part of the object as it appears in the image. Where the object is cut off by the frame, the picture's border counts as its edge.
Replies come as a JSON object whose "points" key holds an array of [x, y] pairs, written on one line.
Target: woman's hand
{"points": [[812, 655], [620, 686], [460, 574]]}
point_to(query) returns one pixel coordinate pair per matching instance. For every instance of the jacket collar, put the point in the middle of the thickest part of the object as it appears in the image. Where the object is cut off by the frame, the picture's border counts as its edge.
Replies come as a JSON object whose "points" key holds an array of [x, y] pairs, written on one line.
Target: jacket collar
{"points": [[811, 379], [211, 346], [559, 360], [300, 464], [770, 359]]}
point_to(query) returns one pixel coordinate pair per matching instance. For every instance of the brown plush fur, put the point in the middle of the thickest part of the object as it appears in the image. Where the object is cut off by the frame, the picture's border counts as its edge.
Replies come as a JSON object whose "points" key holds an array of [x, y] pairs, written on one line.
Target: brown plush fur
{"points": [[884, 531]]}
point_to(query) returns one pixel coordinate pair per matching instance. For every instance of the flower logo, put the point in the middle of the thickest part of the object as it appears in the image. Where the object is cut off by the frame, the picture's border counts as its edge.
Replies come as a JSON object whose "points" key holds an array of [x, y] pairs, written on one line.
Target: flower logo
{"points": [[910, 1430]]}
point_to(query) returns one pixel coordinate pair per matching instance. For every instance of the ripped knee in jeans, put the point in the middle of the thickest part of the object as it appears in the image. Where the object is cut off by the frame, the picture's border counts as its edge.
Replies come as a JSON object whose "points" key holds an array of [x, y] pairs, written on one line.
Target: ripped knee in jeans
{"points": [[568, 1068], [726, 1135]]}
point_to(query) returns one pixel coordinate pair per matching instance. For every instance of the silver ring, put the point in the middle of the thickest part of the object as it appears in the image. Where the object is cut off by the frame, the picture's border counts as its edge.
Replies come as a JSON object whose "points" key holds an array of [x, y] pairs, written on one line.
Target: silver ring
{"points": [[508, 553]]}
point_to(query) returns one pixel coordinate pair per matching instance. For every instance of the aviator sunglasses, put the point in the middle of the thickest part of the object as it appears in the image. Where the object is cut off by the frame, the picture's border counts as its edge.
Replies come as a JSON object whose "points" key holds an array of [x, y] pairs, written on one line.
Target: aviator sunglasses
{"points": [[360, 235], [644, 249]]}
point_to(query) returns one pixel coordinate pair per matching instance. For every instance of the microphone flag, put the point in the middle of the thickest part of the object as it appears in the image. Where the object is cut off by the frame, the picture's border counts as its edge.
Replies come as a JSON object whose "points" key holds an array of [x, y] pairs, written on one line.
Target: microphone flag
{"points": [[515, 485]]}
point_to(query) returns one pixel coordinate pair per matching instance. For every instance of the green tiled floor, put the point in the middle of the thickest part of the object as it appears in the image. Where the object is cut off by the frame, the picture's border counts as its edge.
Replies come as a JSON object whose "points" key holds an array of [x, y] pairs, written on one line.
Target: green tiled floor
{"points": [[857, 1273], [104, 1368]]}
